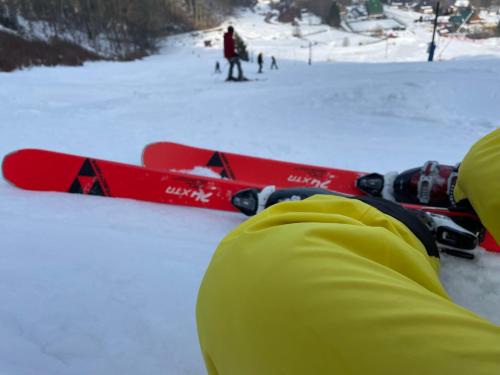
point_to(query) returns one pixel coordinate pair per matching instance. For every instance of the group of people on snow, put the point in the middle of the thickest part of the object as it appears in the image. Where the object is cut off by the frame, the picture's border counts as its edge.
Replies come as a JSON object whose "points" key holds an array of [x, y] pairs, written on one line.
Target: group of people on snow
{"points": [[231, 55], [260, 62]]}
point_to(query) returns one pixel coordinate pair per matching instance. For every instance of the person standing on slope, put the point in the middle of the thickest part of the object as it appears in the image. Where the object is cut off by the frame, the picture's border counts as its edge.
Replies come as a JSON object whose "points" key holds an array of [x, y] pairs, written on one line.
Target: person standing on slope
{"points": [[274, 65], [231, 55], [217, 68], [335, 285], [260, 61]]}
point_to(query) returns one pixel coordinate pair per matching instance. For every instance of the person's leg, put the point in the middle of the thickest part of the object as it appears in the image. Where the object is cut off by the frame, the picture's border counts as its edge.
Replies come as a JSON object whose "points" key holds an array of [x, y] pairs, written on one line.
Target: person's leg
{"points": [[478, 181], [330, 285], [240, 71], [231, 67]]}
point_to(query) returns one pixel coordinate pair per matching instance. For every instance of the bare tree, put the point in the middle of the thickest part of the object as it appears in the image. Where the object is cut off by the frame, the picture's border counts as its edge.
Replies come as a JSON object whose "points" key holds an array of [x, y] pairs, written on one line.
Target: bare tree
{"points": [[116, 26]]}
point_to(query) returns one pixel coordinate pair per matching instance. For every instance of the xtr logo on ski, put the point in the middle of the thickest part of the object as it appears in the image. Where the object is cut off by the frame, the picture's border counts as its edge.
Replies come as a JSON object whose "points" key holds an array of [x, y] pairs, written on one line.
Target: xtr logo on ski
{"points": [[198, 195], [310, 181]]}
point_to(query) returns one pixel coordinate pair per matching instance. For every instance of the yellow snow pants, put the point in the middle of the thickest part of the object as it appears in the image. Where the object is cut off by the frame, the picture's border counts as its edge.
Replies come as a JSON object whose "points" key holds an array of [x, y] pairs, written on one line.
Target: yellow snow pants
{"points": [[479, 181], [332, 286]]}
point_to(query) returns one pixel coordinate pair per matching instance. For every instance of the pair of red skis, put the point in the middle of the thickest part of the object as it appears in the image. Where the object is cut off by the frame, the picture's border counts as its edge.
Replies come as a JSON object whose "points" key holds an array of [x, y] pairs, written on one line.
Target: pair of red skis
{"points": [[163, 178]]}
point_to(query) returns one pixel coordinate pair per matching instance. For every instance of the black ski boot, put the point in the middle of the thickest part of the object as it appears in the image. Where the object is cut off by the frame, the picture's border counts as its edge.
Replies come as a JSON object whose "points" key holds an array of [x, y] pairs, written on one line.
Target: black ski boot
{"points": [[372, 184], [252, 201]]}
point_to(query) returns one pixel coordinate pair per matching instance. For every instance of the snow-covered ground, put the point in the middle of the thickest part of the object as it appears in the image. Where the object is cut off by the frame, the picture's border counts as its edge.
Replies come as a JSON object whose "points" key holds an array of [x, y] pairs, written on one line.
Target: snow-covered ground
{"points": [[90, 285], [372, 25]]}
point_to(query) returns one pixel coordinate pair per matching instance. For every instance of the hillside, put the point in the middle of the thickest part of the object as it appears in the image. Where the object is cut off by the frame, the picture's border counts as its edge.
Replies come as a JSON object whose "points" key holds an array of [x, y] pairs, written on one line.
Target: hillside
{"points": [[17, 52]]}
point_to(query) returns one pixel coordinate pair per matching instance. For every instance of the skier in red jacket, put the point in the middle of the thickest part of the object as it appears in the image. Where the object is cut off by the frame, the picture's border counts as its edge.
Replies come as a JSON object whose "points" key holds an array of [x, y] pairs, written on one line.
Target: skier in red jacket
{"points": [[231, 55]]}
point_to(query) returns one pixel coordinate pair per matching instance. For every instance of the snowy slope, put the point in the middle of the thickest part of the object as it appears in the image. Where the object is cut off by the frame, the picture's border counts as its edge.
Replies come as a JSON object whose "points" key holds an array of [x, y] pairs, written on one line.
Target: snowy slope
{"points": [[91, 285]]}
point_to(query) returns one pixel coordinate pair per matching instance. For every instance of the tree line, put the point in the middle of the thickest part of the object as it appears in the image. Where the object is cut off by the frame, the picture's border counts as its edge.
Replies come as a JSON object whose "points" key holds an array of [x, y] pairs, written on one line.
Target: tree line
{"points": [[327, 10], [113, 27]]}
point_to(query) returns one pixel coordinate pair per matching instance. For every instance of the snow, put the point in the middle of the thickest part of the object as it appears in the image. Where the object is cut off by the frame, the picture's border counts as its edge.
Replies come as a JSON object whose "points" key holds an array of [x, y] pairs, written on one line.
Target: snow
{"points": [[44, 31], [6, 30], [372, 25], [92, 285]]}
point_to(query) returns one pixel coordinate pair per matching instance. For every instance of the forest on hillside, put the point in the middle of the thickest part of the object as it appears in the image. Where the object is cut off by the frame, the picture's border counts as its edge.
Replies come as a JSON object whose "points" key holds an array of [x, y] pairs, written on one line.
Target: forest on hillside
{"points": [[112, 27]]}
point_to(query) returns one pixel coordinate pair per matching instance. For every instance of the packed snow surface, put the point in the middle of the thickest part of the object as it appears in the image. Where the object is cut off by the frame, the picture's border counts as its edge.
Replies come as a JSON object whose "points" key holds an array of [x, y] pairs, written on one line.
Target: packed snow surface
{"points": [[92, 285]]}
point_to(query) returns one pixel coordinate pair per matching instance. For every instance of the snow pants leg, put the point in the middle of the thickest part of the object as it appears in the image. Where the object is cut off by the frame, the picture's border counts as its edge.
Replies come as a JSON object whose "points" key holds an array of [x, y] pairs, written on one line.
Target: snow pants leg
{"points": [[331, 285], [479, 181], [232, 62]]}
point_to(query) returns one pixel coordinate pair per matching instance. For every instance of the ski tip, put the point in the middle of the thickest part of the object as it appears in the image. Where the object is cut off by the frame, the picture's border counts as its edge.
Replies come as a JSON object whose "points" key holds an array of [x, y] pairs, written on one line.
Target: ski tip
{"points": [[5, 164], [490, 244], [8, 158], [18, 167], [9, 162], [149, 147], [153, 145]]}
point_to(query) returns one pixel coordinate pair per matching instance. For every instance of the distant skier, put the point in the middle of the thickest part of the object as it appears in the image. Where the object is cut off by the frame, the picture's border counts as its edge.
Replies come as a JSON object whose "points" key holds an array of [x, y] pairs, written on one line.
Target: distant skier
{"points": [[217, 68], [232, 56], [274, 65], [335, 285], [260, 61]]}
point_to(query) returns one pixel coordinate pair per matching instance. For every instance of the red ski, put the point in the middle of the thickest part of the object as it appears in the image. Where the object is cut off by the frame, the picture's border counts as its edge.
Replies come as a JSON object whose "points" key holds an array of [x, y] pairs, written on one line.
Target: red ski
{"points": [[167, 156], [53, 171], [43, 170]]}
